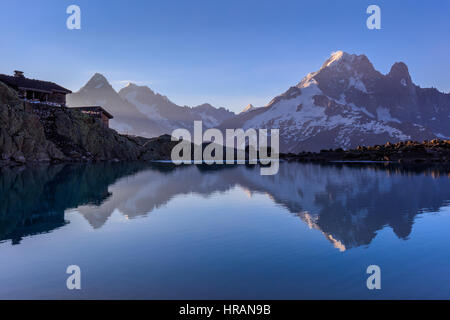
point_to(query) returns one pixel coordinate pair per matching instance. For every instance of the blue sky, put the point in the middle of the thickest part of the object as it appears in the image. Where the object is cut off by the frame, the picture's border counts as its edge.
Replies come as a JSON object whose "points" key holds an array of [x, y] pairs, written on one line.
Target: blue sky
{"points": [[229, 53]]}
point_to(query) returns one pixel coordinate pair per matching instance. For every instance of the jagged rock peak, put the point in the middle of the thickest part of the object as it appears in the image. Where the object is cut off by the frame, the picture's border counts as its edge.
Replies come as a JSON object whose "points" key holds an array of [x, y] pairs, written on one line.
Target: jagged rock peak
{"points": [[248, 108], [96, 82], [204, 106], [399, 70]]}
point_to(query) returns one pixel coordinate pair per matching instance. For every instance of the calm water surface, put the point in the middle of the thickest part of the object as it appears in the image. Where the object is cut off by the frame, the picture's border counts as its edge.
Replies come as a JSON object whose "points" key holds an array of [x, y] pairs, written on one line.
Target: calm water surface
{"points": [[200, 232]]}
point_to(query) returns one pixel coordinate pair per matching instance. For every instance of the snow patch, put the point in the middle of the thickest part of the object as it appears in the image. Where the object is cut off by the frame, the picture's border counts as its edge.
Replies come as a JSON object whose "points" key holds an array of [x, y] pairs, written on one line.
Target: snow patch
{"points": [[360, 109], [149, 110], [208, 121], [286, 110], [357, 84], [441, 136], [308, 81], [383, 114]]}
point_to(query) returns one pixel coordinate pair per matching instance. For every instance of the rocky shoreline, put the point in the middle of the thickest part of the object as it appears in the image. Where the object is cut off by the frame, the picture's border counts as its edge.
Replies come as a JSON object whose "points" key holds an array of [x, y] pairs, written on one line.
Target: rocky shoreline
{"points": [[433, 151]]}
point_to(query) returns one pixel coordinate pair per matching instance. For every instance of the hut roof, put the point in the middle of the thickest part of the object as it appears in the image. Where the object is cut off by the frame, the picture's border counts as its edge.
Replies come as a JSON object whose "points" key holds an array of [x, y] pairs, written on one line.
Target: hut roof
{"points": [[32, 84]]}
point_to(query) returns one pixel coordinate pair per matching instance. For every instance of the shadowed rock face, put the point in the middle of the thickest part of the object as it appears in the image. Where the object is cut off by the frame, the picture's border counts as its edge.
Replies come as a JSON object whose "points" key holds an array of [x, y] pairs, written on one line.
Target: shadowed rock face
{"points": [[30, 133], [22, 136], [348, 204]]}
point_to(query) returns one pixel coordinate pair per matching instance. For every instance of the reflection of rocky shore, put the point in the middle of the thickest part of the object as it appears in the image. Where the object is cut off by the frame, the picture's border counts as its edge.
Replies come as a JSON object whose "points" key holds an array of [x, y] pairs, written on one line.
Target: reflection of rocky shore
{"points": [[348, 204], [33, 200]]}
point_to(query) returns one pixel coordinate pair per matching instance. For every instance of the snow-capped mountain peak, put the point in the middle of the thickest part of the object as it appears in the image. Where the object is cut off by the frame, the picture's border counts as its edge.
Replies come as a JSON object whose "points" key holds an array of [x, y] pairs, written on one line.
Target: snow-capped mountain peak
{"points": [[341, 72], [339, 57], [347, 103], [341, 62]]}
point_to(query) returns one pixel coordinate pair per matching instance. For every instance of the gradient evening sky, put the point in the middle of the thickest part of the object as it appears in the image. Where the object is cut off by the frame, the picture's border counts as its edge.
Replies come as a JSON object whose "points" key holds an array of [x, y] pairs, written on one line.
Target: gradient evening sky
{"points": [[229, 53]]}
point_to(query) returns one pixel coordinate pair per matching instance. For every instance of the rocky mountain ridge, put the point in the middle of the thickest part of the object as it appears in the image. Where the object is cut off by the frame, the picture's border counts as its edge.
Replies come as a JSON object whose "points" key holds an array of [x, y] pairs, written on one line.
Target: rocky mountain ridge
{"points": [[138, 110], [347, 103]]}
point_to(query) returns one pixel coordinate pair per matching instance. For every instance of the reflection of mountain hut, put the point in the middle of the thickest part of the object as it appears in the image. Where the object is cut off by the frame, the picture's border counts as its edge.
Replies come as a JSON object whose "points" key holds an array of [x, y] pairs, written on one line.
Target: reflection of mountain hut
{"points": [[36, 91]]}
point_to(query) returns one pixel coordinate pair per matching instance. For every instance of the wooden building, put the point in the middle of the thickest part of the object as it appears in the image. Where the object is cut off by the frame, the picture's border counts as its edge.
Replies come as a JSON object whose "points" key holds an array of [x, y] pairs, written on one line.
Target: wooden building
{"points": [[96, 112], [36, 91]]}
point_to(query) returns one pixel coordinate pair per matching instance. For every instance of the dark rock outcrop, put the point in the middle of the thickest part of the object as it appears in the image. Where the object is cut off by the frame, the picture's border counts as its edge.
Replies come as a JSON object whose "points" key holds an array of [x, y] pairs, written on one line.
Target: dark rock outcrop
{"points": [[22, 136], [434, 151]]}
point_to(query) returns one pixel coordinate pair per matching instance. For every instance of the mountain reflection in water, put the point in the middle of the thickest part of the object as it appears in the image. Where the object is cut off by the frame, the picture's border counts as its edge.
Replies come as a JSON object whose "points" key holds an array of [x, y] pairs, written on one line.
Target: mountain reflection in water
{"points": [[347, 203]]}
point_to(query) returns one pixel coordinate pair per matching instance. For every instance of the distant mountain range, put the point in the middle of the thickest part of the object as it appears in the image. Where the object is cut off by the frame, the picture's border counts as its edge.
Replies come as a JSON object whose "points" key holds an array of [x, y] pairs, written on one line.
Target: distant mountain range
{"points": [[139, 111], [344, 104]]}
